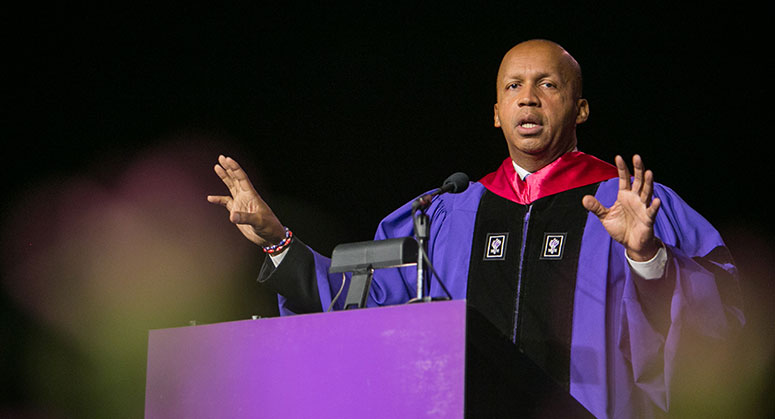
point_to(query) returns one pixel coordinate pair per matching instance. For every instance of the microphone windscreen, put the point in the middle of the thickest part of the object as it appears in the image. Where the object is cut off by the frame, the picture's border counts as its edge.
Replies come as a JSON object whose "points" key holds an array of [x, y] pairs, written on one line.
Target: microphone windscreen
{"points": [[456, 183]]}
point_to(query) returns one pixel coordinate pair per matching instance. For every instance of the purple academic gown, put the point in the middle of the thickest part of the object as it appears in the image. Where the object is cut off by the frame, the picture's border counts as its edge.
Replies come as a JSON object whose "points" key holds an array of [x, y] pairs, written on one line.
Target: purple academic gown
{"points": [[621, 363]]}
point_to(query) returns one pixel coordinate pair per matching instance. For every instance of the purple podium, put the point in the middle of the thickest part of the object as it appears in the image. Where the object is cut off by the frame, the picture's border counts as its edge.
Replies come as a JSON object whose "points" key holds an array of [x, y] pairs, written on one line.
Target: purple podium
{"points": [[405, 361]]}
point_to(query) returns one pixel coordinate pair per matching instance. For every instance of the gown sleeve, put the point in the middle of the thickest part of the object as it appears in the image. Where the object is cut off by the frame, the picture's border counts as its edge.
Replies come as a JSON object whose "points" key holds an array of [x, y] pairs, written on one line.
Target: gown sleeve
{"points": [[697, 302]]}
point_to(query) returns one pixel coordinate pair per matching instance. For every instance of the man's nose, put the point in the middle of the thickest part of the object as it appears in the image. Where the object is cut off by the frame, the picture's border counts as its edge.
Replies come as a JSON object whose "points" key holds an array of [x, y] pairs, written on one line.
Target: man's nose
{"points": [[528, 97]]}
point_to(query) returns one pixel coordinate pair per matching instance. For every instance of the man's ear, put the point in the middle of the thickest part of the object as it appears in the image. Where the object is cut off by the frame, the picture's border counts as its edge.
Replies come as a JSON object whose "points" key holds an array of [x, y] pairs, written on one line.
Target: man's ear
{"points": [[496, 120], [583, 111]]}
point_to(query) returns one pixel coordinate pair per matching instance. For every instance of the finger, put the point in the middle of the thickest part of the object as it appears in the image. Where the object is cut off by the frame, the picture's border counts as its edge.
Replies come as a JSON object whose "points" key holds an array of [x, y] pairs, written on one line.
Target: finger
{"points": [[235, 172], [594, 206], [225, 177], [227, 165], [624, 173], [219, 200], [648, 187], [223, 160], [230, 165], [637, 165]]}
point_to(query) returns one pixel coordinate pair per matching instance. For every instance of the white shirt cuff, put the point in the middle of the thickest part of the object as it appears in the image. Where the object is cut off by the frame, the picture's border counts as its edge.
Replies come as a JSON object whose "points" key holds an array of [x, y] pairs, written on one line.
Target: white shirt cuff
{"points": [[650, 269], [276, 259]]}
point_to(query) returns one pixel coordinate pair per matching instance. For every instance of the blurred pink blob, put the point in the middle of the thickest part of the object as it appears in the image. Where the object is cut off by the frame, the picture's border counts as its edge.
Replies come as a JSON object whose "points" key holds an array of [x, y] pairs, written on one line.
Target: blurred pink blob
{"points": [[142, 250]]}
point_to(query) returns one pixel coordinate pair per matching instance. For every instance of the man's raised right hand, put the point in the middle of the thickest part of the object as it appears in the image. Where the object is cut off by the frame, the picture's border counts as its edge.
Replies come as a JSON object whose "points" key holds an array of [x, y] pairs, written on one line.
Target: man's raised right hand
{"points": [[252, 216]]}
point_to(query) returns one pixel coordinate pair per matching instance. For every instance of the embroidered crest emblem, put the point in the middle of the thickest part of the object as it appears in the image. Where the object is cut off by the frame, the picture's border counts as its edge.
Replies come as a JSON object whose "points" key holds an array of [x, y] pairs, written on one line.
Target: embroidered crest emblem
{"points": [[496, 246], [554, 244]]}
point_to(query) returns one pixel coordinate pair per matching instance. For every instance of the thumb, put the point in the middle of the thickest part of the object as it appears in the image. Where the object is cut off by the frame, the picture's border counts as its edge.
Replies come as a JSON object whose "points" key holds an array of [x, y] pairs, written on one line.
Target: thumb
{"points": [[594, 206], [654, 208]]}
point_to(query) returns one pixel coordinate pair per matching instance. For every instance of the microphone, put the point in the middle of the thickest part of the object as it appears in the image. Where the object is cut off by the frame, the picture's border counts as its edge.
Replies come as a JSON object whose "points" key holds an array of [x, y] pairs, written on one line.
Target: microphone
{"points": [[455, 183]]}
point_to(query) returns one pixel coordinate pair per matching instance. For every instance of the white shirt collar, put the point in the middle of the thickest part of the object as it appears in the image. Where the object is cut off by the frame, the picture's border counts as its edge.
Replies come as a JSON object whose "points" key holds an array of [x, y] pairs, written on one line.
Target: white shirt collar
{"points": [[523, 173], [520, 171]]}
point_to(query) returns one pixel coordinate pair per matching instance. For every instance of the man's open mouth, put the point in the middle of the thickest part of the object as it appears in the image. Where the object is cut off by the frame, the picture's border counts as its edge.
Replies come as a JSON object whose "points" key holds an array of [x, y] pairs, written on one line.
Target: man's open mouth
{"points": [[530, 125]]}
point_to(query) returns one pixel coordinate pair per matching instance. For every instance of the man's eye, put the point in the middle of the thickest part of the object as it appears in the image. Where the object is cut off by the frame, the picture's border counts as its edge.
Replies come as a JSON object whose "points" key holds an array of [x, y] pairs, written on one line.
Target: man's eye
{"points": [[549, 84], [512, 86]]}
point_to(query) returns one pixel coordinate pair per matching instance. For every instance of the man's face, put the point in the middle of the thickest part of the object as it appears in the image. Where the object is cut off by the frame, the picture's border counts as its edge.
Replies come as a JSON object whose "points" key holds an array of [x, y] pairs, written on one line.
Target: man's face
{"points": [[538, 105]]}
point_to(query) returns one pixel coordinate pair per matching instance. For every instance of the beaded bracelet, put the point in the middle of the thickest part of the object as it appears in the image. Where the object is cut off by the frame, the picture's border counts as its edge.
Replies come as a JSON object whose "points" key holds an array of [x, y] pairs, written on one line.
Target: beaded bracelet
{"points": [[279, 247]]}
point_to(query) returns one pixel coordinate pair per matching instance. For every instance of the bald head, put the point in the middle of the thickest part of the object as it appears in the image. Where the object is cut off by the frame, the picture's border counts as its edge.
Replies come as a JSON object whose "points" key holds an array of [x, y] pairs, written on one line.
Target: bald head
{"points": [[570, 68]]}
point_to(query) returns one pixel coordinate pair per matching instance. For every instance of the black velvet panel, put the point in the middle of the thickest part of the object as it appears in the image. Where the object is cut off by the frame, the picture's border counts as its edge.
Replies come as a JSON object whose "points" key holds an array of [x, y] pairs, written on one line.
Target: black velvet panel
{"points": [[492, 283], [539, 300]]}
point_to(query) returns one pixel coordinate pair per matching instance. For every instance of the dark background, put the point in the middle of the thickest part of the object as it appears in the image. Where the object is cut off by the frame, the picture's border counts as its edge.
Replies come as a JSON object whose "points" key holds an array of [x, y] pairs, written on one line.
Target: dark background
{"points": [[341, 114]]}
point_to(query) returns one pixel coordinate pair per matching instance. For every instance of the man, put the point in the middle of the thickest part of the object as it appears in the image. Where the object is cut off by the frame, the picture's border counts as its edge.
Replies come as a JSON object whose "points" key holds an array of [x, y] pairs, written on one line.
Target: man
{"points": [[568, 256]]}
